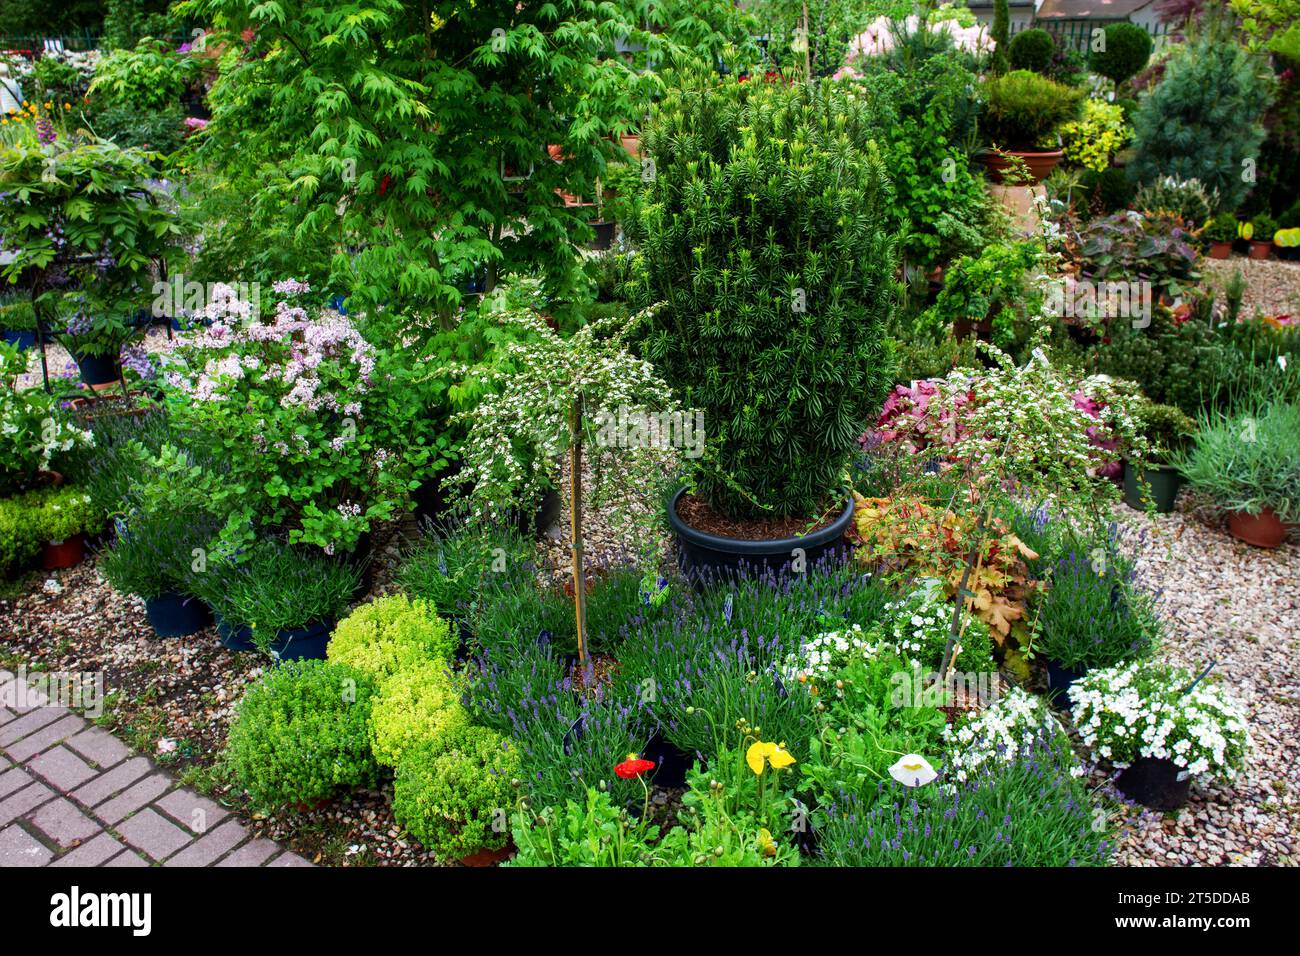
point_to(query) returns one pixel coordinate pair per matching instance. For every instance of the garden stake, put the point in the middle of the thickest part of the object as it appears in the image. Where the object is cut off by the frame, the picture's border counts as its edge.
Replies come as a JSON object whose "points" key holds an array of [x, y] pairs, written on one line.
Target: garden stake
{"points": [[1199, 677], [575, 526]]}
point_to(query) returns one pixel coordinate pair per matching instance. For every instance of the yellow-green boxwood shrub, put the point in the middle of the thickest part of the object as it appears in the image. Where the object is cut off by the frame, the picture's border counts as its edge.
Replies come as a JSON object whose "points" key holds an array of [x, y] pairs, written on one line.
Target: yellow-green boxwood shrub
{"points": [[455, 795], [391, 634], [417, 705]]}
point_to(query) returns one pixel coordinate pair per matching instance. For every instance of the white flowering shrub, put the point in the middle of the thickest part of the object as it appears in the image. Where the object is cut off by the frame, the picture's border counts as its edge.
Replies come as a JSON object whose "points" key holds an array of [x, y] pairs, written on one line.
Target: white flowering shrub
{"points": [[833, 651], [1012, 725], [1145, 710], [918, 627], [33, 429]]}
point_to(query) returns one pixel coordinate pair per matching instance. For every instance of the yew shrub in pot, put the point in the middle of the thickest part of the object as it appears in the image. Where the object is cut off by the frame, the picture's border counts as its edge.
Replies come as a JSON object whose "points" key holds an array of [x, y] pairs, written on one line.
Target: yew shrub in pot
{"points": [[762, 233]]}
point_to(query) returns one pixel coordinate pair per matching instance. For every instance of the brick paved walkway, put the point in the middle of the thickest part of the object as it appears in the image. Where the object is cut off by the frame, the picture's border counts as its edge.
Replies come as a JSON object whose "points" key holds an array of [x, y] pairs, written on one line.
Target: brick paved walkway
{"points": [[71, 794]]}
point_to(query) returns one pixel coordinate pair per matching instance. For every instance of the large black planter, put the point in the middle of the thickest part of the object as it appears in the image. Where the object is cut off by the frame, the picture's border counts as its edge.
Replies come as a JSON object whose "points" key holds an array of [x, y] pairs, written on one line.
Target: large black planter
{"points": [[98, 369], [1156, 783], [1164, 481], [1059, 681], [235, 637], [705, 557], [176, 615], [303, 643]]}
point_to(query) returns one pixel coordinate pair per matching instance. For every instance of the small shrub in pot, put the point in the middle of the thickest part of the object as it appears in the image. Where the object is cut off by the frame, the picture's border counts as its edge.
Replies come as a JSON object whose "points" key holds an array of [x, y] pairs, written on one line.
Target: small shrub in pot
{"points": [[300, 733]]}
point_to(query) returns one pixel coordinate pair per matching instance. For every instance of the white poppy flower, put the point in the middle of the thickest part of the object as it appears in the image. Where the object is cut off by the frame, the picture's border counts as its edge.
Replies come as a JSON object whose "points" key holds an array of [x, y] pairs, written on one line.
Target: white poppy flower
{"points": [[912, 770]]}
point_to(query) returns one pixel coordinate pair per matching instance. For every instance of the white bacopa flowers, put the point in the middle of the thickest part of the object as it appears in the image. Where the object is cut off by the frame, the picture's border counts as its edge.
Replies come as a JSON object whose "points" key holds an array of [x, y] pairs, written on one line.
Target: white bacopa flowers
{"points": [[1153, 710], [1002, 732], [831, 652]]}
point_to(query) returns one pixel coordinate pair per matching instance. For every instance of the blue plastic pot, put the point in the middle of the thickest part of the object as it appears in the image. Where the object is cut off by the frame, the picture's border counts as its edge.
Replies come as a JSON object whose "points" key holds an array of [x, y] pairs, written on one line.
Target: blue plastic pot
{"points": [[24, 340], [235, 637], [303, 643], [177, 615]]}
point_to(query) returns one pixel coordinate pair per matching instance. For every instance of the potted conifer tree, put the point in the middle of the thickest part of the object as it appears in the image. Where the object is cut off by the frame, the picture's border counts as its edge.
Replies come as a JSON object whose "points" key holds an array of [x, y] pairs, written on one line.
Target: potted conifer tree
{"points": [[762, 233]]}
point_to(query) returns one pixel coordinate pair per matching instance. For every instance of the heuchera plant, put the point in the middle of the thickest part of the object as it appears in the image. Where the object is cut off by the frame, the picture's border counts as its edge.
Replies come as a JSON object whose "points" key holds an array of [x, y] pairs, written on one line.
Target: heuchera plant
{"points": [[1038, 425], [305, 415]]}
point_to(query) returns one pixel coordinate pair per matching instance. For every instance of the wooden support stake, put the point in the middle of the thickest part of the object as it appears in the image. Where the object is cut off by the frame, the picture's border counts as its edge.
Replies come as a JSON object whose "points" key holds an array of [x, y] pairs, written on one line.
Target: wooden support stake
{"points": [[575, 526]]}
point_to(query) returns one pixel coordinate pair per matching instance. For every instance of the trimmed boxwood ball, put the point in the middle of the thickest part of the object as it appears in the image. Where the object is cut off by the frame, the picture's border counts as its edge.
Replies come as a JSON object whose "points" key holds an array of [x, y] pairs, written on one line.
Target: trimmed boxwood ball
{"points": [[390, 634], [1032, 50], [300, 733], [1126, 51], [418, 705], [762, 233], [455, 796]]}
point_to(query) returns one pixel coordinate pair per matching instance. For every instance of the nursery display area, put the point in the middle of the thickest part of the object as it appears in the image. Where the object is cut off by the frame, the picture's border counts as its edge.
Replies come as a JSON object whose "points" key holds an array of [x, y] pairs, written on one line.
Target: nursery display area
{"points": [[682, 434]]}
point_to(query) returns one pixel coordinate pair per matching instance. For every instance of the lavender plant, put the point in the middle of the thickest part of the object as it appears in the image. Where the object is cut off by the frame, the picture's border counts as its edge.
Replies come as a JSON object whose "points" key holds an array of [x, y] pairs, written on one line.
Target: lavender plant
{"points": [[1028, 812]]}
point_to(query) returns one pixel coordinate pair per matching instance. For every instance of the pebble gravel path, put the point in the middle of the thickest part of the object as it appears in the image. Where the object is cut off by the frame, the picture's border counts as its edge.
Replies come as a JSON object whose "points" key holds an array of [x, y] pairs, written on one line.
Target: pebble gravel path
{"points": [[1239, 606]]}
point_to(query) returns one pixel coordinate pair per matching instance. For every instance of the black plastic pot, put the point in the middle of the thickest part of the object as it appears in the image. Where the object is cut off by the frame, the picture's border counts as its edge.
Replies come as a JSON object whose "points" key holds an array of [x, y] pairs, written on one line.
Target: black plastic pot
{"points": [[1164, 481], [672, 762], [1155, 782], [235, 637], [545, 515], [1060, 679], [604, 236], [435, 498], [98, 369], [303, 643], [707, 557], [176, 615]]}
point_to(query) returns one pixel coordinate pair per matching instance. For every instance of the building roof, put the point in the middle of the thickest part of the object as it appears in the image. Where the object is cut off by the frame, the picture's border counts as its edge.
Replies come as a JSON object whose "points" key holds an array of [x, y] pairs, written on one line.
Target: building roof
{"points": [[1090, 9]]}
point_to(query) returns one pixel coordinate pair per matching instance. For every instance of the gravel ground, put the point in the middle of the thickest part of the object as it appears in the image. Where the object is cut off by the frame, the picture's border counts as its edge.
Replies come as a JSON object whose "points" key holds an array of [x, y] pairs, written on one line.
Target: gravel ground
{"points": [[1272, 286], [173, 700], [1225, 601]]}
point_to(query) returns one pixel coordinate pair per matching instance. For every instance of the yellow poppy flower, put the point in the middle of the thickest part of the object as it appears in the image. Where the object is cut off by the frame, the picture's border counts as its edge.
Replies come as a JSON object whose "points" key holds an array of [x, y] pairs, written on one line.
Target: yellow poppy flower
{"points": [[766, 845], [759, 755]]}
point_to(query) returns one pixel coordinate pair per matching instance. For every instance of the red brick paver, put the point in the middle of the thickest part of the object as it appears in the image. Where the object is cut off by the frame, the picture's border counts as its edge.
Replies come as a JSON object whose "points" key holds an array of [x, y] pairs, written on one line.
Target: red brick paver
{"points": [[71, 794]]}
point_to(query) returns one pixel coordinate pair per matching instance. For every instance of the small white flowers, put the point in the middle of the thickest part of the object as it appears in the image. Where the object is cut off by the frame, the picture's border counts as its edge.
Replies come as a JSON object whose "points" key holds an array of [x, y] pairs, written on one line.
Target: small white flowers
{"points": [[1003, 731], [1147, 710], [912, 770]]}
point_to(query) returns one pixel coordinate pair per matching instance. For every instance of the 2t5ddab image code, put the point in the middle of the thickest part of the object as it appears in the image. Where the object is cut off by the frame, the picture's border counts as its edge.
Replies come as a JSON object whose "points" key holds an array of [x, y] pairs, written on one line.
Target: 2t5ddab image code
{"points": [[653, 434]]}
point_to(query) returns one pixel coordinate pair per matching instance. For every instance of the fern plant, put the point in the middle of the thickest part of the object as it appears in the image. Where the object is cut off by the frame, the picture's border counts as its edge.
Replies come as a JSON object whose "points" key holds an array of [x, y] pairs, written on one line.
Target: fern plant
{"points": [[762, 235]]}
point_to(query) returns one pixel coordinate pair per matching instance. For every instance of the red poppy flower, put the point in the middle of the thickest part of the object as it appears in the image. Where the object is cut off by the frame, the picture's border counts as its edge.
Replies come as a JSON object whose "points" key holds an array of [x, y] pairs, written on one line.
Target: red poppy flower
{"points": [[633, 767], [385, 183]]}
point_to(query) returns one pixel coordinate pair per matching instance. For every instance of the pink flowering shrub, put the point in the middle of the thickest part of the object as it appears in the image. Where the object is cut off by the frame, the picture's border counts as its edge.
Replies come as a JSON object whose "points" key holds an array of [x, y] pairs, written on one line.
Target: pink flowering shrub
{"points": [[1038, 425], [880, 37], [309, 415]]}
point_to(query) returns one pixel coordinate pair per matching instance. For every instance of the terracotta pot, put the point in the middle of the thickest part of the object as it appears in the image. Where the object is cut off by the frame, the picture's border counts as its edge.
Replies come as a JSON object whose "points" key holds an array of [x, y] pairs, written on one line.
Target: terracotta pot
{"points": [[1263, 530], [1220, 250], [966, 327], [1040, 164], [1261, 250], [632, 145], [56, 555], [481, 858]]}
